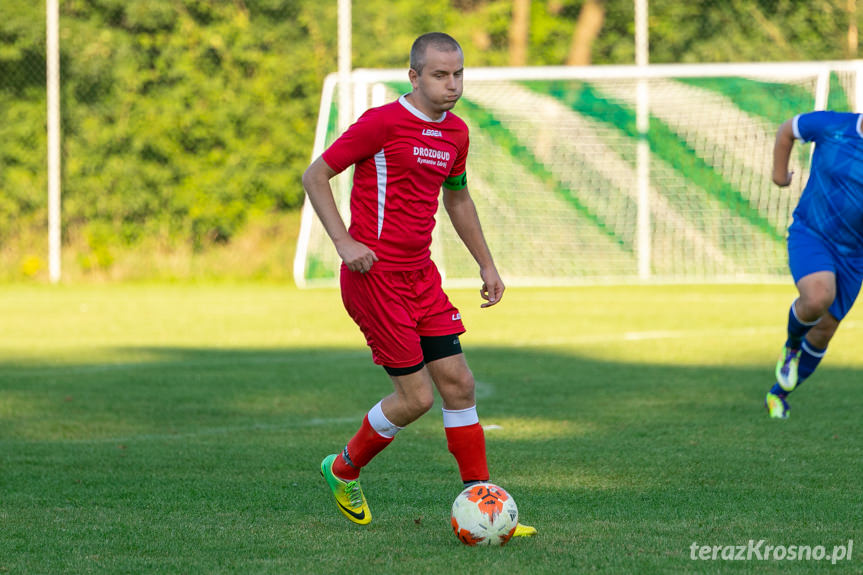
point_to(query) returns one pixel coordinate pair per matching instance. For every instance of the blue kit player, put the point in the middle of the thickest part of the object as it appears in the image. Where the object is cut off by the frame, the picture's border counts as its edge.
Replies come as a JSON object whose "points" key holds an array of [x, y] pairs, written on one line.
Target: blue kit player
{"points": [[825, 242]]}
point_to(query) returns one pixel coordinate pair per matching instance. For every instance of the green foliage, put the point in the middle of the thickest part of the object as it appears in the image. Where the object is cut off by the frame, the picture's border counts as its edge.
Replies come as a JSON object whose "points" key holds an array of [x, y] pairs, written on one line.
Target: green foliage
{"points": [[22, 116], [179, 118], [180, 121], [747, 30], [22, 47]]}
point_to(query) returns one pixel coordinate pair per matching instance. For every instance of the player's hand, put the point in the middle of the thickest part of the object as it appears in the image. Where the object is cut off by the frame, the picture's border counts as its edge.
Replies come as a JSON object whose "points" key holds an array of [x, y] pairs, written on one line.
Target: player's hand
{"points": [[357, 256], [783, 182], [492, 286]]}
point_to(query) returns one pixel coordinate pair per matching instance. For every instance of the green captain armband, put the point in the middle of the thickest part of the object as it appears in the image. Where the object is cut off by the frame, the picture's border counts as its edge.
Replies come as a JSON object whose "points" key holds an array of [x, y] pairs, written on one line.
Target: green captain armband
{"points": [[456, 182]]}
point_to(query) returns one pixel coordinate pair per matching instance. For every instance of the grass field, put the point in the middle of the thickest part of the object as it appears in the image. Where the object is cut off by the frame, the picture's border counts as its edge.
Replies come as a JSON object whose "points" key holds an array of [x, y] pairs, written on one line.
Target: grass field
{"points": [[179, 429]]}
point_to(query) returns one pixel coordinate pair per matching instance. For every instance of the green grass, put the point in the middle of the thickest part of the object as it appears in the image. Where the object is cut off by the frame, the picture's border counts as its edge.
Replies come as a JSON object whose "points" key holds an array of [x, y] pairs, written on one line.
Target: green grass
{"points": [[178, 429]]}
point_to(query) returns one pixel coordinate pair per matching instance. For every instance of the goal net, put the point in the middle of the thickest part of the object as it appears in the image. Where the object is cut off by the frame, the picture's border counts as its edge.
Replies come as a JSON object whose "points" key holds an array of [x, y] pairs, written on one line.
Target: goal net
{"points": [[611, 174]]}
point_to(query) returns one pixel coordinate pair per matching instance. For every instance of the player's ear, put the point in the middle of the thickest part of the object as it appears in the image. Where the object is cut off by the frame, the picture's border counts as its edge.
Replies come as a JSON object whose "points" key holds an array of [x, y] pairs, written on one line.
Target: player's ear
{"points": [[413, 76]]}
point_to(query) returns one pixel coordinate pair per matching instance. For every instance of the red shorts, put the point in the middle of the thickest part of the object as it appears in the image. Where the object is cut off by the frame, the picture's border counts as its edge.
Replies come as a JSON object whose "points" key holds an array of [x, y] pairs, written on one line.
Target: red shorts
{"points": [[395, 308]]}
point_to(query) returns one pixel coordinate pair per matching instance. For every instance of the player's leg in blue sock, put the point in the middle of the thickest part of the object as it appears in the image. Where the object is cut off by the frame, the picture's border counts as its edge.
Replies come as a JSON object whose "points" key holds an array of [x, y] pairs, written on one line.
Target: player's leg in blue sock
{"points": [[810, 357], [797, 329], [787, 366]]}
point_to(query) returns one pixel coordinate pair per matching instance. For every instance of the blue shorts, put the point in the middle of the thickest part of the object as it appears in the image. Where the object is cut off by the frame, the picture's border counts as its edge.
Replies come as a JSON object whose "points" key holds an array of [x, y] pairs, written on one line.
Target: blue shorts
{"points": [[809, 253]]}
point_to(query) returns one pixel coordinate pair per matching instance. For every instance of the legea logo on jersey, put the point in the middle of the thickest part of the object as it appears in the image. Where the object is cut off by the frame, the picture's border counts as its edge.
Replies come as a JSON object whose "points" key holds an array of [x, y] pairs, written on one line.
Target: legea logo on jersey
{"points": [[435, 133]]}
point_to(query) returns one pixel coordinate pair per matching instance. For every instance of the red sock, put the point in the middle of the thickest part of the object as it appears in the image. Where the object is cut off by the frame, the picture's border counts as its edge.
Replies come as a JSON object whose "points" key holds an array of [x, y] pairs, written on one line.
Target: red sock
{"points": [[467, 444], [362, 447]]}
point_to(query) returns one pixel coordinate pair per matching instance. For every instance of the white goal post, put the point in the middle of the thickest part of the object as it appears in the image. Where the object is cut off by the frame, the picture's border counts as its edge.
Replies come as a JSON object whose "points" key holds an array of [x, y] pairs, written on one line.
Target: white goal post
{"points": [[555, 172]]}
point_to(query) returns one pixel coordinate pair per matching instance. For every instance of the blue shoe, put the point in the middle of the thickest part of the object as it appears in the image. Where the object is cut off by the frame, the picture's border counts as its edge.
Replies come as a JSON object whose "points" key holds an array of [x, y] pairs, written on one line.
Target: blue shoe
{"points": [[786, 368], [776, 405]]}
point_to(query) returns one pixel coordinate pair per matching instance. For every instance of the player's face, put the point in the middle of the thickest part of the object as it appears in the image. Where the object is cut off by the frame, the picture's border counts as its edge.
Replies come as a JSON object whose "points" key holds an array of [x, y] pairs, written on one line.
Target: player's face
{"points": [[440, 85]]}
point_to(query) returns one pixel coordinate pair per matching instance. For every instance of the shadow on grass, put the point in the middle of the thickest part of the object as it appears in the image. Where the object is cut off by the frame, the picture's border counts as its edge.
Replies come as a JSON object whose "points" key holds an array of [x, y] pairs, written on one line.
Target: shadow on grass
{"points": [[152, 388], [621, 465]]}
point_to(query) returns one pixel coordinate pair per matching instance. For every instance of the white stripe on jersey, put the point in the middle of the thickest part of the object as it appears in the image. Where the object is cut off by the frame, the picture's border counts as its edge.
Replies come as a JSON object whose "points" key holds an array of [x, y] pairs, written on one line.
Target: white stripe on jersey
{"points": [[381, 168], [795, 129]]}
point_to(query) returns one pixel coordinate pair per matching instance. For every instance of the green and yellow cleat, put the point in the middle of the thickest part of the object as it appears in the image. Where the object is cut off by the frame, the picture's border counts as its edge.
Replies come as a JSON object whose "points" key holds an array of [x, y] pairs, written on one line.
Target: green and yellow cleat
{"points": [[786, 368], [522, 530], [349, 495], [776, 406]]}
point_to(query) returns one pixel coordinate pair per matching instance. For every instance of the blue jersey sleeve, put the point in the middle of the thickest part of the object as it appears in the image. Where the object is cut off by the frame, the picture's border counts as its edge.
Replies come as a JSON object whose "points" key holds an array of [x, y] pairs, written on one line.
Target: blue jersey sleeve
{"points": [[812, 127]]}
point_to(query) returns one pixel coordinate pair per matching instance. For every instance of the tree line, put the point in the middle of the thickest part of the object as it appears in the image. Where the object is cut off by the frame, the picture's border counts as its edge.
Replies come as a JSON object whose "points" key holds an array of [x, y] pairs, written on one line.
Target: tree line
{"points": [[181, 118]]}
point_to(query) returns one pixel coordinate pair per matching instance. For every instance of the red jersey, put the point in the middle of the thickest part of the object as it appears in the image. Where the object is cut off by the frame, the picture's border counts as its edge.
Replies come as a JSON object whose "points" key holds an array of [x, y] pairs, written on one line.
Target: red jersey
{"points": [[402, 158]]}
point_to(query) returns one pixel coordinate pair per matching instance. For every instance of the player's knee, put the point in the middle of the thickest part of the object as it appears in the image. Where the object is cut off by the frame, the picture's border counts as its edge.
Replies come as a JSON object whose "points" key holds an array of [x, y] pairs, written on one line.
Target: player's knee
{"points": [[420, 403], [816, 302]]}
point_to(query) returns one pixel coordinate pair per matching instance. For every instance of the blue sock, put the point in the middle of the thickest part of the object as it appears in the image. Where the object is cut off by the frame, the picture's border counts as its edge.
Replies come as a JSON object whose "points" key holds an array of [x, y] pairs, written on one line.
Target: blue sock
{"points": [[778, 391], [797, 329], [810, 357]]}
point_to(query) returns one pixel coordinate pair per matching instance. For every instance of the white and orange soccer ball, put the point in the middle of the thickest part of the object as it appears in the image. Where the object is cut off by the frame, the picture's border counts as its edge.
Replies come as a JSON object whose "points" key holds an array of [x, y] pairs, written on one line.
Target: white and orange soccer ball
{"points": [[484, 514]]}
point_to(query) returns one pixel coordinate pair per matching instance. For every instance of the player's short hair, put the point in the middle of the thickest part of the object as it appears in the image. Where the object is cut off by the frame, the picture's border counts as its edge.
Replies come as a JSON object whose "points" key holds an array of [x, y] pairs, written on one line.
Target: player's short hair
{"points": [[438, 40]]}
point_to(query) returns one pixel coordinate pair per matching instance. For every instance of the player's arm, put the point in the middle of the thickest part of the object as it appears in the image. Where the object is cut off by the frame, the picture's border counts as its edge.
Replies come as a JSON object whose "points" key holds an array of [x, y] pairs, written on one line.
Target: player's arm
{"points": [[316, 181], [782, 153], [462, 212]]}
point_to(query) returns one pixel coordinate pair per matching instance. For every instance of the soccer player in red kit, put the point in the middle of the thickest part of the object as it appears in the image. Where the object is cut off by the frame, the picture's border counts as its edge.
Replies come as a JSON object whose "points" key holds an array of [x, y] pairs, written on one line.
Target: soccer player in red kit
{"points": [[403, 153]]}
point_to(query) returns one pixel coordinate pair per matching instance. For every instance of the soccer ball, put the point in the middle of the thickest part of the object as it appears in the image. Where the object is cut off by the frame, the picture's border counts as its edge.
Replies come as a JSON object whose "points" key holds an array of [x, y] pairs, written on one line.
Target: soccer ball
{"points": [[484, 514]]}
